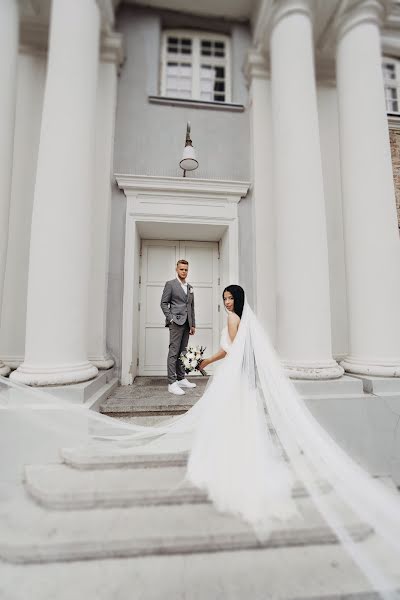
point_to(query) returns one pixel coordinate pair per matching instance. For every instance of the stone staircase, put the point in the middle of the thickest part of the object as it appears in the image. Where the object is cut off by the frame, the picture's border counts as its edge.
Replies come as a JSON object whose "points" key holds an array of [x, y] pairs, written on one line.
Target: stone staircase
{"points": [[104, 525]]}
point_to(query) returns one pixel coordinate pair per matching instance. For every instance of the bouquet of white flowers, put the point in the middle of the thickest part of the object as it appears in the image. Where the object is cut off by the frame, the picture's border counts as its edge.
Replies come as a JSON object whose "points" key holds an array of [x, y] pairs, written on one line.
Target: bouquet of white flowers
{"points": [[192, 358]]}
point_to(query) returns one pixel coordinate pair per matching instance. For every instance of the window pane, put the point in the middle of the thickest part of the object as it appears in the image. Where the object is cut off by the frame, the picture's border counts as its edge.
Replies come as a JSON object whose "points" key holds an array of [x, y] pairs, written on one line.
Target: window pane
{"points": [[186, 46], [207, 97], [212, 82], [179, 80], [389, 71], [205, 48]]}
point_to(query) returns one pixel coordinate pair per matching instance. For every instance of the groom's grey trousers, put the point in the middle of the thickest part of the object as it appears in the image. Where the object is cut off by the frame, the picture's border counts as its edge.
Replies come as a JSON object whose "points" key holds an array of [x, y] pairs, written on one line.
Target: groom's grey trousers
{"points": [[178, 341]]}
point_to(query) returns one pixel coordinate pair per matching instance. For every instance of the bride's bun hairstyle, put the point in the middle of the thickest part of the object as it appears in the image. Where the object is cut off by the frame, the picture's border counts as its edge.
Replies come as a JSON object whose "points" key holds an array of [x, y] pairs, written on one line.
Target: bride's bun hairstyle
{"points": [[238, 298]]}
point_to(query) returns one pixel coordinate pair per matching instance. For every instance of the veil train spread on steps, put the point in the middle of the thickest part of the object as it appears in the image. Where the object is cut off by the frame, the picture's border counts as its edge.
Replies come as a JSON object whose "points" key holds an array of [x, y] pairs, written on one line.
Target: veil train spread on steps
{"points": [[250, 438]]}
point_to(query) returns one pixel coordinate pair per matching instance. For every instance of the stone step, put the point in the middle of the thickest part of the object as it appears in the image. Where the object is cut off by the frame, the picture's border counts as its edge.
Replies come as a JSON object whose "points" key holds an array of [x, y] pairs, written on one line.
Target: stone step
{"points": [[150, 396], [61, 487], [32, 534], [106, 457], [312, 573], [344, 386]]}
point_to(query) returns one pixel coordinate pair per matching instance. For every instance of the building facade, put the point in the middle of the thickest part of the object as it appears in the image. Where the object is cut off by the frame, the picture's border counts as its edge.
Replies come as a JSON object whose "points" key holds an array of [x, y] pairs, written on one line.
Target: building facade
{"points": [[293, 197]]}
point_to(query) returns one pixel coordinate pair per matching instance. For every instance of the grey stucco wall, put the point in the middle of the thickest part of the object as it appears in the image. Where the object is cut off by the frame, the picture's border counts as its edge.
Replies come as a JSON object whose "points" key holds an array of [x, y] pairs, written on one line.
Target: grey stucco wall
{"points": [[149, 138]]}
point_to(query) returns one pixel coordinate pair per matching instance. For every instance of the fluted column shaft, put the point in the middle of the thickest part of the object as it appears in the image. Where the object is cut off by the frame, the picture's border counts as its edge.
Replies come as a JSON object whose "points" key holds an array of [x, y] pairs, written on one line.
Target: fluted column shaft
{"points": [[303, 302], [9, 25], [370, 222], [56, 331]]}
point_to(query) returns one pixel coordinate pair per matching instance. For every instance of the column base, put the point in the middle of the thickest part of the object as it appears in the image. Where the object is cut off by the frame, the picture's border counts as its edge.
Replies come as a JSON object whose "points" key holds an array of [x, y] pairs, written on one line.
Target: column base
{"points": [[4, 370], [54, 375], [384, 368], [102, 362], [324, 369]]}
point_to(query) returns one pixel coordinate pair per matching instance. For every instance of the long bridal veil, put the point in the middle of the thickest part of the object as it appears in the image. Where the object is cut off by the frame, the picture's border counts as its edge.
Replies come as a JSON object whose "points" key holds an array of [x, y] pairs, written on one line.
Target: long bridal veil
{"points": [[249, 441]]}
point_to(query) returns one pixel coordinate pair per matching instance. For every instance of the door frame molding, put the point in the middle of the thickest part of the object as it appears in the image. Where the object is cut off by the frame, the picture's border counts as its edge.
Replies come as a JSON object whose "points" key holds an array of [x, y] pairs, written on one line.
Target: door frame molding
{"points": [[172, 200]]}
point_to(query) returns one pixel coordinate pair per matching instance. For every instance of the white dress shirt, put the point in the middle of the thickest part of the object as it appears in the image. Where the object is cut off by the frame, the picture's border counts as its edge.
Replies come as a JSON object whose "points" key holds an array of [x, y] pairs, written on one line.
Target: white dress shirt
{"points": [[184, 286]]}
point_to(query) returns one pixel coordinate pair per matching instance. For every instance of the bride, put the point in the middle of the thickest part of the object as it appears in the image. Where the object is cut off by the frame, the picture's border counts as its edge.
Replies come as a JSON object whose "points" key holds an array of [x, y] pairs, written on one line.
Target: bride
{"points": [[233, 455]]}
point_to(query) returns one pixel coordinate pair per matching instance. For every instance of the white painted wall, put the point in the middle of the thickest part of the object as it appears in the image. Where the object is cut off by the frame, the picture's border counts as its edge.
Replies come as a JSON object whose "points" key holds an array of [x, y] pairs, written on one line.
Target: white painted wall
{"points": [[329, 136], [30, 88]]}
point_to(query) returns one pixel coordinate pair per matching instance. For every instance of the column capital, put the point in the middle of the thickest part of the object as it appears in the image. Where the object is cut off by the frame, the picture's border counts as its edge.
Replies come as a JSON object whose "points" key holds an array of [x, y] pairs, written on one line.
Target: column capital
{"points": [[255, 65], [112, 48], [283, 8], [368, 11], [270, 12]]}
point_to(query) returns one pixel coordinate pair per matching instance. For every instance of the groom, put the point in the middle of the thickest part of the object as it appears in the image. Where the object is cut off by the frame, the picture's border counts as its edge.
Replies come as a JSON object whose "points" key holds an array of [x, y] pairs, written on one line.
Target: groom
{"points": [[177, 304]]}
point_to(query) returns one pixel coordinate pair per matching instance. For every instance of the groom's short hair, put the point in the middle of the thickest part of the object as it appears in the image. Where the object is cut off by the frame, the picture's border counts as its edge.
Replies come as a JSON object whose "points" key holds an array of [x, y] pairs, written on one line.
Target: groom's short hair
{"points": [[182, 261]]}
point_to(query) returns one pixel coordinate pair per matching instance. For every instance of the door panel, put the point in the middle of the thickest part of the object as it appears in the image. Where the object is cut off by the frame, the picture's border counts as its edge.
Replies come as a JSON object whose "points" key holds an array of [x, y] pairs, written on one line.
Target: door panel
{"points": [[158, 264]]}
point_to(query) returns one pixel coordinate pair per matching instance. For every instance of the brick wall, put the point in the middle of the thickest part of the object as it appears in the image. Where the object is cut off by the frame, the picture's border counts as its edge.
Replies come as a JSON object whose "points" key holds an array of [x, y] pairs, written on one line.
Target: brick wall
{"points": [[394, 135]]}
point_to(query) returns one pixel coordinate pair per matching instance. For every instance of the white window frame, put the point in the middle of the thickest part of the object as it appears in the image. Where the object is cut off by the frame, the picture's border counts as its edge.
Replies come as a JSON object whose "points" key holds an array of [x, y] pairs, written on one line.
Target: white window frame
{"points": [[394, 83], [195, 59]]}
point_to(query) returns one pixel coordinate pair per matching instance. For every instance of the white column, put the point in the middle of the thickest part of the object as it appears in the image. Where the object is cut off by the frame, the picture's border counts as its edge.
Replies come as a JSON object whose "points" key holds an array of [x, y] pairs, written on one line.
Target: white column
{"points": [[9, 26], [372, 243], [303, 303], [262, 196], [56, 333]]}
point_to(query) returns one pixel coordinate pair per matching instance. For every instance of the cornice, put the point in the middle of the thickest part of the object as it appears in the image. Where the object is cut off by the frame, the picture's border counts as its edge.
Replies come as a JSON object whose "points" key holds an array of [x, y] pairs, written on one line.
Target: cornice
{"points": [[131, 184], [391, 32], [261, 23], [107, 14], [255, 65], [390, 42], [29, 7]]}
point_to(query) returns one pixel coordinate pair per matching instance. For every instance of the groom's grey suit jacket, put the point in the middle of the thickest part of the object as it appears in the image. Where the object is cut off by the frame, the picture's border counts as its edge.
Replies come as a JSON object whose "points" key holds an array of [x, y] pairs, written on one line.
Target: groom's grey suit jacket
{"points": [[176, 305]]}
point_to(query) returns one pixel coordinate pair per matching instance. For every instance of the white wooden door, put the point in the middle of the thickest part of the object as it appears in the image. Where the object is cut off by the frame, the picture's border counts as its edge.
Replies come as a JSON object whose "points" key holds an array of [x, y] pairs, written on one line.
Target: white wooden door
{"points": [[158, 263]]}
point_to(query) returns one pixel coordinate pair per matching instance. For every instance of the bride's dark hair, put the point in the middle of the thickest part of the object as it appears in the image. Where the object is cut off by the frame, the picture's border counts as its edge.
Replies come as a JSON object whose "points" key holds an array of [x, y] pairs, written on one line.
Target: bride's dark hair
{"points": [[238, 298]]}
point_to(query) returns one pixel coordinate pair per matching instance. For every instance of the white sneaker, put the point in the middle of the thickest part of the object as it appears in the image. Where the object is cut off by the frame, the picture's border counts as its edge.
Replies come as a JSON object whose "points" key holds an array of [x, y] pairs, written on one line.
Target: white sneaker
{"points": [[174, 388], [184, 383]]}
